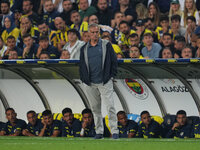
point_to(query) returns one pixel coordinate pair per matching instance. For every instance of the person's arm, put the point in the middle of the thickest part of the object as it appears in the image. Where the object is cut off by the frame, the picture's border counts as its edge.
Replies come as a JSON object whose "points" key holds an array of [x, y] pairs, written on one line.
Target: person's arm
{"points": [[42, 132], [25, 132], [17, 133]]}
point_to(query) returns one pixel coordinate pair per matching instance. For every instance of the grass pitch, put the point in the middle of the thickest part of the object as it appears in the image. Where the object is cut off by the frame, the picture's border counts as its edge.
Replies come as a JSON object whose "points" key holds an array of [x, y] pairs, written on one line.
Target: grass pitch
{"points": [[43, 143]]}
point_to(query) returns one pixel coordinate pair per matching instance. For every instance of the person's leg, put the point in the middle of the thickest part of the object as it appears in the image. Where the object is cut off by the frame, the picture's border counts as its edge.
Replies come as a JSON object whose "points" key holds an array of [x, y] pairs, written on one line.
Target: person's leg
{"points": [[94, 99], [106, 91]]}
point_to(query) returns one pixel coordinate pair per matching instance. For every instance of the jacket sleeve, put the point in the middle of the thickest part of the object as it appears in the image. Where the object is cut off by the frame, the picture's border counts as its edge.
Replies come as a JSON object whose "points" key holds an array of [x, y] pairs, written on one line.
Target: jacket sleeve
{"points": [[113, 60]]}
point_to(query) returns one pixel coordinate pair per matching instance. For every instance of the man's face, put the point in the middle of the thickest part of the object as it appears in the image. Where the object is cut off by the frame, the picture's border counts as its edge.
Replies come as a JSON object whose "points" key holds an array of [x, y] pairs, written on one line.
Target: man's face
{"points": [[72, 37], [93, 19], [134, 52], [32, 118], [12, 55], [44, 44], [175, 7], [198, 43], [88, 118], [11, 116], [124, 28], [76, 18], [65, 55], [25, 23], [48, 5], [122, 119], [48, 120], [148, 40], [102, 5], [44, 56], [27, 7], [164, 24], [85, 37], [186, 53], [11, 43], [167, 40], [134, 40], [149, 25], [146, 119], [83, 4], [28, 41], [179, 45], [59, 24], [94, 33], [67, 5], [175, 24], [5, 8], [43, 29], [166, 53], [191, 24], [119, 17], [181, 119], [7, 23], [68, 117]]}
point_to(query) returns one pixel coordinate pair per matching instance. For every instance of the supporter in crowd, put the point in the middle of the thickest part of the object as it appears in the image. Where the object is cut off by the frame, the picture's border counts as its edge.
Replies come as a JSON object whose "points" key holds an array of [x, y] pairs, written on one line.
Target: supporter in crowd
{"points": [[44, 55], [14, 126], [86, 10], [68, 7], [125, 8], [12, 54], [30, 49], [26, 27], [85, 36], [10, 29], [11, 45], [142, 11], [5, 11], [167, 40], [51, 128], [27, 8], [191, 27], [45, 46], [180, 129], [175, 9], [79, 25], [65, 54], [50, 14], [46, 31], [61, 32], [176, 27], [189, 10], [151, 49], [154, 13], [166, 53], [3, 48], [186, 52], [104, 13], [71, 126], [179, 44], [74, 44], [149, 128], [134, 52], [198, 47], [127, 128], [34, 125], [134, 40]]}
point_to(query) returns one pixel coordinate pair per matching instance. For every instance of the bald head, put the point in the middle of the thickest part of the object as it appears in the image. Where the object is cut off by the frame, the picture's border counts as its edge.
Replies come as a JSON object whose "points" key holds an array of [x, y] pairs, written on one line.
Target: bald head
{"points": [[59, 23]]}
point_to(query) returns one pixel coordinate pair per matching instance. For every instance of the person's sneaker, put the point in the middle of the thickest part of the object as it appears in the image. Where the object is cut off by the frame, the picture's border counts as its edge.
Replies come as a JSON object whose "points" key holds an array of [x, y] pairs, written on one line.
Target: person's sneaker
{"points": [[98, 136], [115, 136]]}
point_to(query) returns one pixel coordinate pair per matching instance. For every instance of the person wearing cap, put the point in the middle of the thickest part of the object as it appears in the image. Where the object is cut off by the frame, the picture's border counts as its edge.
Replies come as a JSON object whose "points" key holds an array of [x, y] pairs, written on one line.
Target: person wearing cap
{"points": [[74, 44], [174, 9], [151, 49]]}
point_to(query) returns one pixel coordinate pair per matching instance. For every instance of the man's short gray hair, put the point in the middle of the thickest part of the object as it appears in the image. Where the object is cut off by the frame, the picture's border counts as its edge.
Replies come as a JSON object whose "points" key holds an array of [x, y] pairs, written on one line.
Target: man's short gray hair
{"points": [[93, 25]]}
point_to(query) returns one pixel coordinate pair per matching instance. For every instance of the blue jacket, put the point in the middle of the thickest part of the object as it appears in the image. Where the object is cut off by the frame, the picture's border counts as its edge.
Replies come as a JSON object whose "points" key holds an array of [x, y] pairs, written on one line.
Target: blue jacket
{"points": [[109, 63]]}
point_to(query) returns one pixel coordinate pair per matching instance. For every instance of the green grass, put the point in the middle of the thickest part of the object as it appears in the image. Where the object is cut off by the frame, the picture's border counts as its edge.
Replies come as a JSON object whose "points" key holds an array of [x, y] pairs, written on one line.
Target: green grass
{"points": [[36, 143]]}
